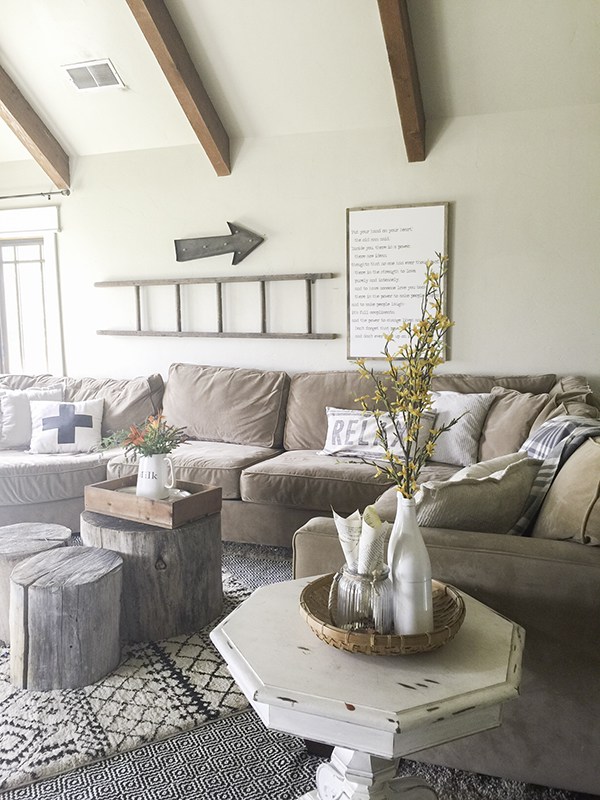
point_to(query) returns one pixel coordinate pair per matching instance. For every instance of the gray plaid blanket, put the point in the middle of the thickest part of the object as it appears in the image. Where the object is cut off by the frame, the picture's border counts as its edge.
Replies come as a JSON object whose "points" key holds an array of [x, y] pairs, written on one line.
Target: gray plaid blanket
{"points": [[573, 431]]}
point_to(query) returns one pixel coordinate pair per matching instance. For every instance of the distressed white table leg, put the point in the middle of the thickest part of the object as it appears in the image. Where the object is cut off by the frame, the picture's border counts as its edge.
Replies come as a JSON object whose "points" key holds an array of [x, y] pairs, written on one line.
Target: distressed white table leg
{"points": [[352, 775]]}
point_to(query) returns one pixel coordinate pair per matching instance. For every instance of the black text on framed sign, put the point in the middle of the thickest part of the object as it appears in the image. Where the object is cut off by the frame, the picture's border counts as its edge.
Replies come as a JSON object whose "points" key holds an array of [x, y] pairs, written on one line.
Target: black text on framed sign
{"points": [[387, 247]]}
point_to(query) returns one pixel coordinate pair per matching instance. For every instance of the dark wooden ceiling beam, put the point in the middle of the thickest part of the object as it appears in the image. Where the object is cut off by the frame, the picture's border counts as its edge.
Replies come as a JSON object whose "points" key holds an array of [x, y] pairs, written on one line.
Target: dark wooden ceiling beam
{"points": [[33, 133], [401, 54], [166, 43]]}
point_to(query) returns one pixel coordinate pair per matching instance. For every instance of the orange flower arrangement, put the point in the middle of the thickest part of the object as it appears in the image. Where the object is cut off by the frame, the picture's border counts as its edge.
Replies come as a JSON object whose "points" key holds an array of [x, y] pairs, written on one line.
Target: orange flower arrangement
{"points": [[155, 437]]}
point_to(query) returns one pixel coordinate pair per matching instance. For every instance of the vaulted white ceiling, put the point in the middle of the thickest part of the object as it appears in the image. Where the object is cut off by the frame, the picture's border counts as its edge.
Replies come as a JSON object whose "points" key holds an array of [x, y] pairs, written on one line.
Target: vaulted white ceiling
{"points": [[278, 67]]}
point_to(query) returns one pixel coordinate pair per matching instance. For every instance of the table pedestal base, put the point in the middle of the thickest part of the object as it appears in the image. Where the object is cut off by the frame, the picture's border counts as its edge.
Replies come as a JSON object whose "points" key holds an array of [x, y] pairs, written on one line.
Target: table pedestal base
{"points": [[352, 775]]}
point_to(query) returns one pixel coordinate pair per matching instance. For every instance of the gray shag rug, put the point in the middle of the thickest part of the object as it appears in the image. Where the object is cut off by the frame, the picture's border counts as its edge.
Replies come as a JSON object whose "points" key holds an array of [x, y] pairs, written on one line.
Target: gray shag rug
{"points": [[216, 748]]}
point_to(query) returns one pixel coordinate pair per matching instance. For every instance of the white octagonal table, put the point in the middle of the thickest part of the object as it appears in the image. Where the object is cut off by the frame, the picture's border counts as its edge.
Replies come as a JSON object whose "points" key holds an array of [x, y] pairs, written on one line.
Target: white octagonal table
{"points": [[373, 709]]}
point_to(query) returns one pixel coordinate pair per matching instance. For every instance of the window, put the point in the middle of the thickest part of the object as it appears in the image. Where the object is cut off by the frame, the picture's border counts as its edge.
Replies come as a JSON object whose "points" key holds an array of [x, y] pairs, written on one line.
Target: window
{"points": [[30, 326]]}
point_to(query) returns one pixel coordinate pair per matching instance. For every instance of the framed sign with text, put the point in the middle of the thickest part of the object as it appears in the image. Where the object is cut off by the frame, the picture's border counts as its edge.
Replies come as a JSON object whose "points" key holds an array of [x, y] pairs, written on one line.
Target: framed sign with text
{"points": [[386, 251]]}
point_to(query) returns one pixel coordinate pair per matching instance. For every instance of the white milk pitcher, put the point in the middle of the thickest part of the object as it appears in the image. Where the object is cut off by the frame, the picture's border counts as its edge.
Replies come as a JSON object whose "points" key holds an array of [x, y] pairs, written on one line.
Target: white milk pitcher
{"points": [[155, 477]]}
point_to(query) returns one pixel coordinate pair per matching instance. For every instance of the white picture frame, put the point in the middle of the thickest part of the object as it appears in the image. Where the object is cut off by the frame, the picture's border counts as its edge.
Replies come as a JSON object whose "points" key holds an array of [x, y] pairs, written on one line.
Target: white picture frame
{"points": [[386, 251]]}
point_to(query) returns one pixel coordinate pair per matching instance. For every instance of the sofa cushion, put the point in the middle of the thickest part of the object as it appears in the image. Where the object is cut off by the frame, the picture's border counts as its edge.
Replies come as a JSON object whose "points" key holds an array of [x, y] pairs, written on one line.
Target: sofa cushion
{"points": [[61, 427], [486, 497], [222, 404], [352, 432], [216, 463], [386, 503], [310, 394], [509, 420], [127, 401], [29, 478], [460, 444], [303, 479], [20, 381], [571, 508], [516, 414], [15, 414], [483, 383]]}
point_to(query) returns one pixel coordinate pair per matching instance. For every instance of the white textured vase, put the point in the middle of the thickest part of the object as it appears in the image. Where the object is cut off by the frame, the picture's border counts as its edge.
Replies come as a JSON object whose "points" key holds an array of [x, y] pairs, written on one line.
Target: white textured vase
{"points": [[155, 477], [410, 570]]}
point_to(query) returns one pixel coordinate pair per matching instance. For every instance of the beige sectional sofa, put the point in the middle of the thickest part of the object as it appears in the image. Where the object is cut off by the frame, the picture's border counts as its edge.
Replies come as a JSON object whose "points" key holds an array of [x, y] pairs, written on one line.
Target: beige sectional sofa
{"points": [[259, 435]]}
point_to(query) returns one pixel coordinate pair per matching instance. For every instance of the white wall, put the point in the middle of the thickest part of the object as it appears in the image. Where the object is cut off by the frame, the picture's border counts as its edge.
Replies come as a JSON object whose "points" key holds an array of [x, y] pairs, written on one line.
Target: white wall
{"points": [[524, 190]]}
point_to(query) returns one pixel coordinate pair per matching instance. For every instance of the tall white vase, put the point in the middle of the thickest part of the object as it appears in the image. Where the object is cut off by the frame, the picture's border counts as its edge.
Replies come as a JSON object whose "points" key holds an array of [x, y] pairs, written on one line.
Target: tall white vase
{"points": [[410, 569]]}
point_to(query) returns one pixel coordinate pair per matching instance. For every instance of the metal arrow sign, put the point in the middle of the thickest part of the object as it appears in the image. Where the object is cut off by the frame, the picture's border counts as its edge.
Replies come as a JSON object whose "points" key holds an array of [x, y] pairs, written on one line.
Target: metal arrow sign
{"points": [[240, 242]]}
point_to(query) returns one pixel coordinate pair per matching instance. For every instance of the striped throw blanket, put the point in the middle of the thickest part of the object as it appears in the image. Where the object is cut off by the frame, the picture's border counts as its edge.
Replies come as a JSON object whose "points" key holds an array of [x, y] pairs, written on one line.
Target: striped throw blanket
{"points": [[553, 442]]}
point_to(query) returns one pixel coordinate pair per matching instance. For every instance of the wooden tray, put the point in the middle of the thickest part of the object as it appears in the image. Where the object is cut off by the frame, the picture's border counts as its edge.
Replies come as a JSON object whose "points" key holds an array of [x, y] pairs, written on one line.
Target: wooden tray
{"points": [[114, 499], [448, 616]]}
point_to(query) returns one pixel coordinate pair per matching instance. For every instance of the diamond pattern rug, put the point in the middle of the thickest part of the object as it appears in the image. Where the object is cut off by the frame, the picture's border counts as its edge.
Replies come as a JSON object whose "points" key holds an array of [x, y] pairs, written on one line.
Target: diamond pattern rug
{"points": [[158, 690]]}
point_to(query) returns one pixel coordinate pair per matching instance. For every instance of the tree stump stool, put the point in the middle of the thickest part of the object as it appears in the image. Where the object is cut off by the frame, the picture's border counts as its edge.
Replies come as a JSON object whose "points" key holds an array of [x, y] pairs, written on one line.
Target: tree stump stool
{"points": [[64, 618], [171, 577], [18, 542]]}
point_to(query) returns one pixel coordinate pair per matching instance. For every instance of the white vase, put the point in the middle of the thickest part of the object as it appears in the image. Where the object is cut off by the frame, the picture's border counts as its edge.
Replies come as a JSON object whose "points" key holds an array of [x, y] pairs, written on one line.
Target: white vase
{"points": [[155, 477], [410, 569]]}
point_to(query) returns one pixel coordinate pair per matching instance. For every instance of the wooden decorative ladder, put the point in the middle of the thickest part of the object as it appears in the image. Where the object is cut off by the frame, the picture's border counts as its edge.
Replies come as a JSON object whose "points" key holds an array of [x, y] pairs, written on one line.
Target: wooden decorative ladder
{"points": [[308, 278]]}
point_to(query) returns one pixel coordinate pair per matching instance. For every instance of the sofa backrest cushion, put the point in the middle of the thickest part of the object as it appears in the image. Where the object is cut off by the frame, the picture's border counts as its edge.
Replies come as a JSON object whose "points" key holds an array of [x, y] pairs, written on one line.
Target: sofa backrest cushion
{"points": [[509, 420], [14, 381], [457, 382], [571, 508], [227, 404], [127, 401], [310, 394], [517, 413]]}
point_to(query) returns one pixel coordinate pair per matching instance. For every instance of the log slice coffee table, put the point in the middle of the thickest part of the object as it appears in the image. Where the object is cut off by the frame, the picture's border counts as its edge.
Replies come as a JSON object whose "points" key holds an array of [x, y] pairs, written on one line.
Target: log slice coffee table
{"points": [[373, 709], [172, 581]]}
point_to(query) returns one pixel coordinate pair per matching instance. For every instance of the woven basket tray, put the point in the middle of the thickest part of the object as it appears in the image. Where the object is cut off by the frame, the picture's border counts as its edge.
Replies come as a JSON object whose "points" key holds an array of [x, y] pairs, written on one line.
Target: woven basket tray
{"points": [[448, 616]]}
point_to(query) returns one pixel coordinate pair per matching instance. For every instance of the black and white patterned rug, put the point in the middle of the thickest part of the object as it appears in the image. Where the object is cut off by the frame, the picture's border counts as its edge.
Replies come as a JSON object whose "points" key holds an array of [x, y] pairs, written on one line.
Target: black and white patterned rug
{"points": [[158, 690], [213, 750]]}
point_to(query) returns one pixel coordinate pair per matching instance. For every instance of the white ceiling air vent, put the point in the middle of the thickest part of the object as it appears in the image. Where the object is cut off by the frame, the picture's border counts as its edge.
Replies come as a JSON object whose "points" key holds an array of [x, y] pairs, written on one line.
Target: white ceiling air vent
{"points": [[94, 75]]}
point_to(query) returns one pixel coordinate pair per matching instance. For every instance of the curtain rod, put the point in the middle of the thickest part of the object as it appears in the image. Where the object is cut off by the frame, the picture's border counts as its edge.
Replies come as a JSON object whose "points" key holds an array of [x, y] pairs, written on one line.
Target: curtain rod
{"points": [[65, 192]]}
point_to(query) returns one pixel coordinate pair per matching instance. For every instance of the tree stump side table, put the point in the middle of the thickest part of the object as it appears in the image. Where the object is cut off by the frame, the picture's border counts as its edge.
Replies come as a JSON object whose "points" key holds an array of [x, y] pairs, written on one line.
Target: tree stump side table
{"points": [[172, 580], [64, 618], [18, 542]]}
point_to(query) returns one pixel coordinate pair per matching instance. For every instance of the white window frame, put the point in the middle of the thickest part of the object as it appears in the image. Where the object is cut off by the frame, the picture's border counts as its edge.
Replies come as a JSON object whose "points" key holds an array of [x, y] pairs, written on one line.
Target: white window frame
{"points": [[42, 223]]}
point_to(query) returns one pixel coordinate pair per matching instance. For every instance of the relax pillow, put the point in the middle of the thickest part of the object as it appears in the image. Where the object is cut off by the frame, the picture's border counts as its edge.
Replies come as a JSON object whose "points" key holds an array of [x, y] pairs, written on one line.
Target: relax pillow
{"points": [[66, 427], [460, 444], [571, 508], [15, 415], [489, 504], [351, 432]]}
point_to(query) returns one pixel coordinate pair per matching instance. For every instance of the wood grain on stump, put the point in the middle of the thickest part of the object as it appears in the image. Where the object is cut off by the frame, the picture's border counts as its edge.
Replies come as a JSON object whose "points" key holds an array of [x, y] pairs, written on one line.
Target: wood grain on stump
{"points": [[64, 618], [18, 542], [171, 578]]}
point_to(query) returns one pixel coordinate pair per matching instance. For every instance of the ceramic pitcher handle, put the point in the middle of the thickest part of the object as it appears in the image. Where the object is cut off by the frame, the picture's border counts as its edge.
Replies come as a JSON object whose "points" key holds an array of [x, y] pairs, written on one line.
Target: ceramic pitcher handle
{"points": [[170, 484]]}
